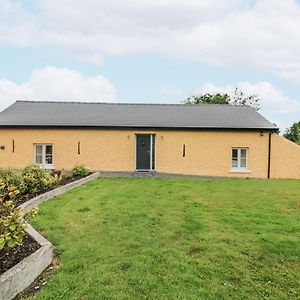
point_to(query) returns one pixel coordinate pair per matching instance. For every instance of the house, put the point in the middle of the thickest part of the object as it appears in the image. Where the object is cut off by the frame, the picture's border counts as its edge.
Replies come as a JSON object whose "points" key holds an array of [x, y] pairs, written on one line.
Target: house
{"points": [[208, 140]]}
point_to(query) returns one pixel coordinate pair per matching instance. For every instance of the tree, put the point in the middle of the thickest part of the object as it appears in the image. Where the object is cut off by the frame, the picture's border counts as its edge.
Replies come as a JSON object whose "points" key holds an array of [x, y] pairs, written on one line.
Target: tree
{"points": [[293, 133], [238, 98], [208, 99]]}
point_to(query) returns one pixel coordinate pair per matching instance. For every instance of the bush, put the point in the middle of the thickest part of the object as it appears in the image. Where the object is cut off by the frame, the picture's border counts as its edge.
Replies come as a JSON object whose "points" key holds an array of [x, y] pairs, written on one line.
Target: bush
{"points": [[66, 174], [31, 181], [81, 171], [12, 226], [10, 184], [36, 179]]}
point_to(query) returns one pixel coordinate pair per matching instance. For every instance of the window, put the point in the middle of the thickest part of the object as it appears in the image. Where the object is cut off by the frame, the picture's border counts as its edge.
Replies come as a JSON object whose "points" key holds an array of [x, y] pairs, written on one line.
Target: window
{"points": [[44, 155], [239, 159]]}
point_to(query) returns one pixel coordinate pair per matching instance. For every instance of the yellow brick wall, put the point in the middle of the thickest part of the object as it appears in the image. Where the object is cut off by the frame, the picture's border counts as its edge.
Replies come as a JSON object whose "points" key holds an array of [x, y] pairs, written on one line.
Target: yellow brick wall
{"points": [[207, 152], [285, 158]]}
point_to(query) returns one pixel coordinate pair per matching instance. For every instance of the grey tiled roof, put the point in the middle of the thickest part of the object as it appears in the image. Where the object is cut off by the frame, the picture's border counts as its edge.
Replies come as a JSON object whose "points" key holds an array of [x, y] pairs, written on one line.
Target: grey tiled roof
{"points": [[83, 114]]}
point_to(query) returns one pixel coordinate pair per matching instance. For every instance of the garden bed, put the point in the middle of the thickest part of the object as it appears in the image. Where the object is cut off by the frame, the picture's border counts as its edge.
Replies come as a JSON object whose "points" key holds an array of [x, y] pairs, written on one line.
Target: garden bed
{"points": [[21, 275], [10, 258], [34, 202], [21, 264], [64, 181]]}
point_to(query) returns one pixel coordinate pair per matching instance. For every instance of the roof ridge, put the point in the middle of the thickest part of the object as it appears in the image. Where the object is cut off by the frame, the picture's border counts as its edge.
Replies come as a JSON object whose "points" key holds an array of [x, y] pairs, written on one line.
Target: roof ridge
{"points": [[130, 103]]}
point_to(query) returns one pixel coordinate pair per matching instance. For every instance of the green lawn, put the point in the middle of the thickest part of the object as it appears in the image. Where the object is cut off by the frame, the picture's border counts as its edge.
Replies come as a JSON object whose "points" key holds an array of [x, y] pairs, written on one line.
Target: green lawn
{"points": [[129, 238]]}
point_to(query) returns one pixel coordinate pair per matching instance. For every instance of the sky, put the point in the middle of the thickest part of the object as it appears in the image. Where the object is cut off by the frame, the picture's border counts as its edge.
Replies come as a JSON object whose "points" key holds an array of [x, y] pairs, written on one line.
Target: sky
{"points": [[151, 51]]}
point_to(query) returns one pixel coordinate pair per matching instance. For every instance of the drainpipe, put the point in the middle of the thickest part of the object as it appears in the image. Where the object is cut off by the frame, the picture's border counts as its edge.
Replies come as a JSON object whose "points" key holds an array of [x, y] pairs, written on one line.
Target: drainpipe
{"points": [[269, 155]]}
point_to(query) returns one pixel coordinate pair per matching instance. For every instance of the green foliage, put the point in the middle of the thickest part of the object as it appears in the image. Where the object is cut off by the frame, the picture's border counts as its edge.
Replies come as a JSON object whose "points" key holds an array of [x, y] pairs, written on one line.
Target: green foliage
{"points": [[81, 171], [36, 179], [208, 99], [293, 133], [65, 174], [32, 180], [238, 98], [10, 184], [13, 183], [12, 225]]}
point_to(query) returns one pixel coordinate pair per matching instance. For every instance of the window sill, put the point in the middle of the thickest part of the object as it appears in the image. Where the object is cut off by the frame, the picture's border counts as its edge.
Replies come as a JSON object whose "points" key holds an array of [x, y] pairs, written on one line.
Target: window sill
{"points": [[47, 167], [237, 170]]}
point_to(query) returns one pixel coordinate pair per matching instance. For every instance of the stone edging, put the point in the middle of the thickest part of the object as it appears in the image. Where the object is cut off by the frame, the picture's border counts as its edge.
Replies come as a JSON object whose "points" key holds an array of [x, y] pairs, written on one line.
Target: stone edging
{"points": [[34, 202], [20, 276]]}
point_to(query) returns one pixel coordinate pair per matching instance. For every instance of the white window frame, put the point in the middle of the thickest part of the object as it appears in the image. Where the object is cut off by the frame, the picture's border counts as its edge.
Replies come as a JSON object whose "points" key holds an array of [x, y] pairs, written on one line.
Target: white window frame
{"points": [[239, 168], [44, 164]]}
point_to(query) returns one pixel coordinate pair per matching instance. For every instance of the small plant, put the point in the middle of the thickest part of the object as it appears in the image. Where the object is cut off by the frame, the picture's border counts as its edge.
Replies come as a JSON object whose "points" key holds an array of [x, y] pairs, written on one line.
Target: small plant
{"points": [[12, 225], [66, 174], [80, 171], [36, 179], [10, 184]]}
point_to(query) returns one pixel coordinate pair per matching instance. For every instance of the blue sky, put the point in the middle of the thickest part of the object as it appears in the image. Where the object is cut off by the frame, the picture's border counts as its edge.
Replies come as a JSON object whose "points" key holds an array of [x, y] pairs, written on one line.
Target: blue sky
{"points": [[140, 51]]}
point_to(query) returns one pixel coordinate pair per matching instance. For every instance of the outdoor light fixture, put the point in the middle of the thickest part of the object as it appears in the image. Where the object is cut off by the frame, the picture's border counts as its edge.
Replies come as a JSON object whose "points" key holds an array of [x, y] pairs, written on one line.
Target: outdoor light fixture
{"points": [[262, 133], [2, 147]]}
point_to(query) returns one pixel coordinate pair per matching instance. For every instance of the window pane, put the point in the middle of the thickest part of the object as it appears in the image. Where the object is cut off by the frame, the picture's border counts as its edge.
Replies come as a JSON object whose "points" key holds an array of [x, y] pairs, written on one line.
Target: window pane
{"points": [[49, 149], [243, 163], [39, 149], [243, 153], [234, 163], [39, 154], [49, 159], [39, 159], [234, 153]]}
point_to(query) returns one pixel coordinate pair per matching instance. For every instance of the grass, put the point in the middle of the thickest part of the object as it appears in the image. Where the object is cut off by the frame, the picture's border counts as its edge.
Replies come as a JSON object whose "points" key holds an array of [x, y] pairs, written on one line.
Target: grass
{"points": [[126, 238]]}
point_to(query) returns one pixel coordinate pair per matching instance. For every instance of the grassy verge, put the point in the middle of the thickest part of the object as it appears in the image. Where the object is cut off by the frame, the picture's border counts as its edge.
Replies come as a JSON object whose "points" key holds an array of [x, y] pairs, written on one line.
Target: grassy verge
{"points": [[175, 239]]}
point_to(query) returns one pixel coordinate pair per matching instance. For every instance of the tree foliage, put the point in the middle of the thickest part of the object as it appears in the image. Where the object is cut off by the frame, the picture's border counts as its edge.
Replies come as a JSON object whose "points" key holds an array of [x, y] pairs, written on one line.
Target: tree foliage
{"points": [[293, 133], [238, 98], [208, 99]]}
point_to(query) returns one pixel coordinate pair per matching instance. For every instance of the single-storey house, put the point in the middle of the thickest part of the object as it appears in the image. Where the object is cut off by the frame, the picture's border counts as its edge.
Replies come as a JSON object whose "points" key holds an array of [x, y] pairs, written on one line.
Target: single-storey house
{"points": [[207, 140]]}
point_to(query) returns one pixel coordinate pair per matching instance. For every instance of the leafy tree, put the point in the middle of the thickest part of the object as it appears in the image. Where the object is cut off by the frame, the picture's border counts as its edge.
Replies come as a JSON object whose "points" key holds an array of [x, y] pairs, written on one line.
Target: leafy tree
{"points": [[238, 98], [293, 133], [208, 99]]}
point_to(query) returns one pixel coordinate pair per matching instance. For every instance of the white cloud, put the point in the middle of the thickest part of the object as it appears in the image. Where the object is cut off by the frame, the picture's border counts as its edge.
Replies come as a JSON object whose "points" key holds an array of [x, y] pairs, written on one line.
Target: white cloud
{"points": [[173, 91], [276, 106], [261, 34], [57, 84]]}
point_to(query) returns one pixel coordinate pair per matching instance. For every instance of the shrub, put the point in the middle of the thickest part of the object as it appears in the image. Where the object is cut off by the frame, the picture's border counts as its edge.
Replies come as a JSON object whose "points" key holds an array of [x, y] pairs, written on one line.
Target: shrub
{"points": [[36, 179], [31, 180], [81, 171], [66, 174], [12, 225], [10, 184]]}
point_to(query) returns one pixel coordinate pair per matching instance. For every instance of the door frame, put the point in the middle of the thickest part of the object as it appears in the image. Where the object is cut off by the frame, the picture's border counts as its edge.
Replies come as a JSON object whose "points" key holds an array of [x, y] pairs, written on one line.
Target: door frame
{"points": [[151, 152]]}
